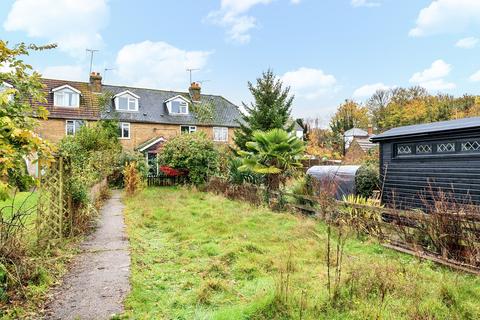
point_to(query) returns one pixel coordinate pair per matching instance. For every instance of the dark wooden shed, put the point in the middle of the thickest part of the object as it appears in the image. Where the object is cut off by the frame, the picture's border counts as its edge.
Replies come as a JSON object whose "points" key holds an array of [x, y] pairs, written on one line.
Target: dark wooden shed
{"points": [[420, 162]]}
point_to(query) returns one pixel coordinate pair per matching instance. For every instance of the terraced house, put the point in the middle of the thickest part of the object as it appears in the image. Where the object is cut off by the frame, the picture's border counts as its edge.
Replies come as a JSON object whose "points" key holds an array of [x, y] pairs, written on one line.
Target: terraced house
{"points": [[147, 117]]}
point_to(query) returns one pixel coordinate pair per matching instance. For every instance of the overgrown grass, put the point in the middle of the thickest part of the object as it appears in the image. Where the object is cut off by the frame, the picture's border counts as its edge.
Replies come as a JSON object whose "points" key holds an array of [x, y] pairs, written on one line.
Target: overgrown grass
{"points": [[200, 256], [43, 267]]}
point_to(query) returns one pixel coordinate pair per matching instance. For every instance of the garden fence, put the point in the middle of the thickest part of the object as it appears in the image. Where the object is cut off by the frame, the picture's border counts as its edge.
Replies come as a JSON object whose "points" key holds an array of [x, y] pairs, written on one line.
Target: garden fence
{"points": [[163, 180]]}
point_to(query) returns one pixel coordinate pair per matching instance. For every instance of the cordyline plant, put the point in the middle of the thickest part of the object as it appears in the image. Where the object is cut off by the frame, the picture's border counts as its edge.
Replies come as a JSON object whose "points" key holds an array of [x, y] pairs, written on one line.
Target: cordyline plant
{"points": [[274, 153], [19, 85]]}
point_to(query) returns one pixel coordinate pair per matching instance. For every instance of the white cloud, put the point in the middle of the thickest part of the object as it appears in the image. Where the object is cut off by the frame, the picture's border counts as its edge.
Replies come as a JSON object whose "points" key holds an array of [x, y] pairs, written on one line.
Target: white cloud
{"points": [[66, 72], [447, 16], [369, 89], [232, 15], [74, 25], [364, 3], [475, 77], [309, 83], [432, 78], [467, 43], [295, 1], [157, 64]]}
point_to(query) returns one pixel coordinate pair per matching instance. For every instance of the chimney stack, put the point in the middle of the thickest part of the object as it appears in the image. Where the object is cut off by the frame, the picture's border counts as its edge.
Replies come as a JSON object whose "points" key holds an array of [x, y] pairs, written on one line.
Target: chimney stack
{"points": [[96, 82], [370, 130], [194, 91]]}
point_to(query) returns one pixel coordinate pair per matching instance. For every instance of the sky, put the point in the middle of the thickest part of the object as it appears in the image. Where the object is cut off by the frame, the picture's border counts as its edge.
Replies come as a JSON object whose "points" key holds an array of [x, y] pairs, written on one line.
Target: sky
{"points": [[325, 50]]}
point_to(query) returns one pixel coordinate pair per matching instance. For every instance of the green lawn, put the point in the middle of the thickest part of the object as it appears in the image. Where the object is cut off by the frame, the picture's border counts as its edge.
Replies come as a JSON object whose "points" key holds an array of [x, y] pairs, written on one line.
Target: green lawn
{"points": [[25, 201], [200, 256]]}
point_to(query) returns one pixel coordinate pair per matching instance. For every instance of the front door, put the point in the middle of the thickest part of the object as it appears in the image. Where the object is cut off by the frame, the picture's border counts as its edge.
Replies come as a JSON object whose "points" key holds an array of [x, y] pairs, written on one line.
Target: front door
{"points": [[152, 164]]}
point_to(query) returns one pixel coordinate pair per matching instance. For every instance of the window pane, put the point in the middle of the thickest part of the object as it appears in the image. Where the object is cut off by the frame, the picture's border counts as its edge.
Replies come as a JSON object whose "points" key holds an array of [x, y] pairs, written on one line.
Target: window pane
{"points": [[59, 99], [70, 127], [445, 147], [404, 149], [78, 124], [423, 148], [184, 129], [175, 107], [183, 109], [132, 104], [125, 132], [122, 103]]}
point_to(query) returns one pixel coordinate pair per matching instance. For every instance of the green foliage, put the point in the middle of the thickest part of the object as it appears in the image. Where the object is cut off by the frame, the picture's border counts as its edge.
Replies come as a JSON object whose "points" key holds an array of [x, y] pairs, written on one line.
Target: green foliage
{"points": [[233, 257], [18, 86], [237, 176], [303, 186], [204, 111], [274, 153], [93, 152], [116, 179], [271, 109], [367, 179], [349, 115], [194, 153], [407, 106]]}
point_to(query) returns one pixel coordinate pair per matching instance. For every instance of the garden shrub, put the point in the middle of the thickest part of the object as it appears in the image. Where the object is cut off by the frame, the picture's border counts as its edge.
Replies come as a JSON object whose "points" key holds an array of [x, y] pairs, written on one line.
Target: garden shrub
{"points": [[132, 179], [193, 153], [303, 187], [367, 179], [236, 176], [91, 153], [116, 179]]}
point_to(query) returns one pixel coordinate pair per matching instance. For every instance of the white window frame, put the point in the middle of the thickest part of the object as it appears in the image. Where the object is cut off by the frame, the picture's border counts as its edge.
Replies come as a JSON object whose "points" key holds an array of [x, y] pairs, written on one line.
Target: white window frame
{"points": [[224, 129], [191, 129], [74, 127], [131, 97], [176, 98], [60, 90], [127, 125]]}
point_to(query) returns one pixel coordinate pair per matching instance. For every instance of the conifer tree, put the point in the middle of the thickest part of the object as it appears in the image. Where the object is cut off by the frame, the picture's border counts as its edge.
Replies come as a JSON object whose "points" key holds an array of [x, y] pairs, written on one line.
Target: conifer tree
{"points": [[270, 110]]}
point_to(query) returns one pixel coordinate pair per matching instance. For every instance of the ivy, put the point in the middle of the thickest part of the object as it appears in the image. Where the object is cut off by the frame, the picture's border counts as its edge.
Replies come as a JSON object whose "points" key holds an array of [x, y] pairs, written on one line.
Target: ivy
{"points": [[205, 111]]}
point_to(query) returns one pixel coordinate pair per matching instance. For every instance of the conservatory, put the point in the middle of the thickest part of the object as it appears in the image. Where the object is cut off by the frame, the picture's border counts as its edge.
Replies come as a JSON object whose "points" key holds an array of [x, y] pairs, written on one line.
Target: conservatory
{"points": [[422, 165]]}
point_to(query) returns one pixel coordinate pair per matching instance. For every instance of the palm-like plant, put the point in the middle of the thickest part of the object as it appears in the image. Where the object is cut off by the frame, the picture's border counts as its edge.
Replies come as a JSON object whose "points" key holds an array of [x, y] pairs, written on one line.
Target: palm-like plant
{"points": [[274, 153]]}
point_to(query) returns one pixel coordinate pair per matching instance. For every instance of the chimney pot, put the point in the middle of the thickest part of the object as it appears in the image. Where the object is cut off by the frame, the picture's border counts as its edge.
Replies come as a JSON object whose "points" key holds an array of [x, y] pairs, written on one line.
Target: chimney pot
{"points": [[95, 81], [370, 130], [195, 91]]}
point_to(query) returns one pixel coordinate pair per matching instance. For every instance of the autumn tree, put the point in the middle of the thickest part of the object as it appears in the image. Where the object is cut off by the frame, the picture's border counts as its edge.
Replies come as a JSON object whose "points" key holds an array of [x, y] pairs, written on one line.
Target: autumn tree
{"points": [[270, 110], [19, 86], [349, 115]]}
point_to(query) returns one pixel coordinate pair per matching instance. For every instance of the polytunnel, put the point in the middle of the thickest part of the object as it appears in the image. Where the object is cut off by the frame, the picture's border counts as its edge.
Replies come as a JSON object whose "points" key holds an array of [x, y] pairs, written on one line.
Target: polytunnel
{"points": [[339, 180]]}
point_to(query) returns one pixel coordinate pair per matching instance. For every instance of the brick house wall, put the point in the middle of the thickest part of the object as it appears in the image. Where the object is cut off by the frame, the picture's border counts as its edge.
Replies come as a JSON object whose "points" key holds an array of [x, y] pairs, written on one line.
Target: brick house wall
{"points": [[54, 130]]}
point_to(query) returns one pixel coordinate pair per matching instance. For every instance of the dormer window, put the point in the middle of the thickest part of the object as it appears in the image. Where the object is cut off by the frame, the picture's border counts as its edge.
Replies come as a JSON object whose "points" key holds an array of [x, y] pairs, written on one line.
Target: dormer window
{"points": [[126, 101], [177, 105], [66, 96]]}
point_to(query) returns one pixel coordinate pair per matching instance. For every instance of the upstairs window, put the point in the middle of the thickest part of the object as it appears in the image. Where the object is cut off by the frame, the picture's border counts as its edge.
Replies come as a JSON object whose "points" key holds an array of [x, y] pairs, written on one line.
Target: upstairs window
{"points": [[177, 105], [124, 130], [187, 129], [66, 96], [126, 101], [72, 126], [220, 134]]}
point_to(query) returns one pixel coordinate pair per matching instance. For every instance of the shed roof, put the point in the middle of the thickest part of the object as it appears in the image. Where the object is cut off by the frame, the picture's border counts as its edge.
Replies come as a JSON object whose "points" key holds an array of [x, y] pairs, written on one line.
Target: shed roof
{"points": [[365, 144], [356, 132], [428, 128]]}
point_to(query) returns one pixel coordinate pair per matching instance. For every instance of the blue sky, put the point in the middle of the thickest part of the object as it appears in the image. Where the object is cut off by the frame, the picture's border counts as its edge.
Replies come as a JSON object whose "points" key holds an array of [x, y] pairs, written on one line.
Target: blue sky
{"points": [[326, 50]]}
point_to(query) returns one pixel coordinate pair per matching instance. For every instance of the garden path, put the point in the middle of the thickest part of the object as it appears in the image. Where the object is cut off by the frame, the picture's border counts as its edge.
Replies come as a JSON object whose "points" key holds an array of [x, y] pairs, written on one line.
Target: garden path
{"points": [[98, 281]]}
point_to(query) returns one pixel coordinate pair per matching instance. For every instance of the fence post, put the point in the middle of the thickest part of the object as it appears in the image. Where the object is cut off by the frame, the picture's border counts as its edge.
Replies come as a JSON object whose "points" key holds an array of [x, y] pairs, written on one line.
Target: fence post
{"points": [[60, 195]]}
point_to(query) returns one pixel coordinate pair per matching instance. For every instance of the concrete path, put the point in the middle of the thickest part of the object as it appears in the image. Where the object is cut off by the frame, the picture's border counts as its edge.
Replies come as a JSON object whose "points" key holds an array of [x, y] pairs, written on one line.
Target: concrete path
{"points": [[98, 281]]}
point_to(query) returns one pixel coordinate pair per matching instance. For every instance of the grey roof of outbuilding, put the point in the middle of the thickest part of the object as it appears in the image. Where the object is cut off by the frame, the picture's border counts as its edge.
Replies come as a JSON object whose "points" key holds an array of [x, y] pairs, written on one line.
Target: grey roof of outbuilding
{"points": [[429, 128], [365, 144], [152, 108]]}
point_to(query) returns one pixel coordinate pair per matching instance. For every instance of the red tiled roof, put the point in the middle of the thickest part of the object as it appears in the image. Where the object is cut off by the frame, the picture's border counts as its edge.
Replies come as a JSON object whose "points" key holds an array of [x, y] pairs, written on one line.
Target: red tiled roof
{"points": [[88, 109]]}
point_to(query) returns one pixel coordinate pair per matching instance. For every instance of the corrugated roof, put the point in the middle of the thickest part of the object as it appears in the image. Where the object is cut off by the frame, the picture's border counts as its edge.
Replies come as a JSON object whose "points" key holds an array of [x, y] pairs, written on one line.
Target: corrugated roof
{"points": [[365, 144], [429, 128], [355, 132]]}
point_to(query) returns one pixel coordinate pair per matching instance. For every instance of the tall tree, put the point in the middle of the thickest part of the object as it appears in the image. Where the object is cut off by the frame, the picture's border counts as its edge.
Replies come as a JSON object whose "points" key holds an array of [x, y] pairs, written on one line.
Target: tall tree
{"points": [[349, 115], [19, 85], [271, 109]]}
